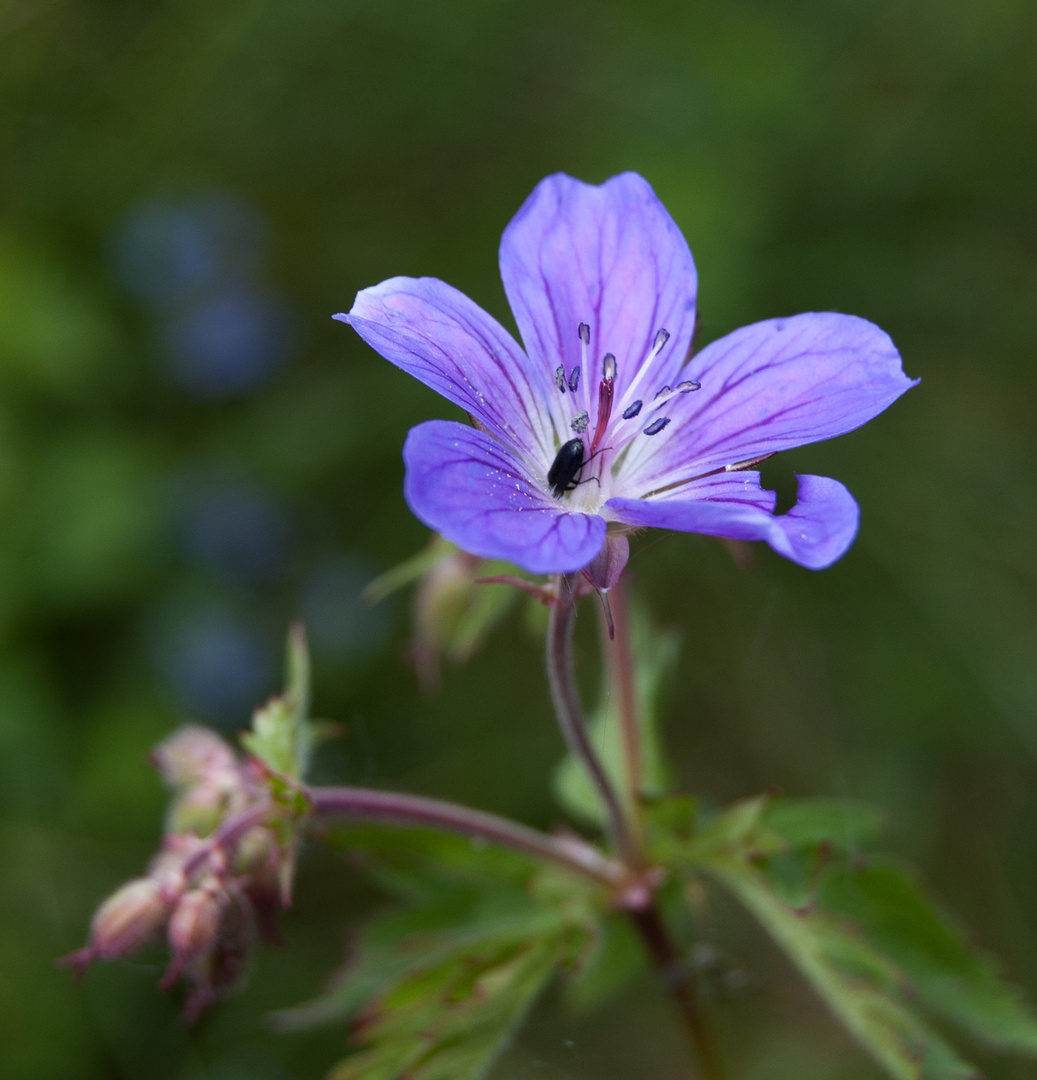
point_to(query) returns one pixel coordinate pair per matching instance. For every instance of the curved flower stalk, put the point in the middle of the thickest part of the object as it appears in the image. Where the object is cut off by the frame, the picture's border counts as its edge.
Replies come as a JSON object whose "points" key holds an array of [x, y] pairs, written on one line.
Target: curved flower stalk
{"points": [[603, 425]]}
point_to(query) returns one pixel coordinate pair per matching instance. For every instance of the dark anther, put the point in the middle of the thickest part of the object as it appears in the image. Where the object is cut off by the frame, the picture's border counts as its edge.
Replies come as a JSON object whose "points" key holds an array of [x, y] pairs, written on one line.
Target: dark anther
{"points": [[657, 425], [608, 366], [560, 378], [661, 393], [574, 379], [580, 422], [632, 410], [585, 333], [687, 387], [660, 339]]}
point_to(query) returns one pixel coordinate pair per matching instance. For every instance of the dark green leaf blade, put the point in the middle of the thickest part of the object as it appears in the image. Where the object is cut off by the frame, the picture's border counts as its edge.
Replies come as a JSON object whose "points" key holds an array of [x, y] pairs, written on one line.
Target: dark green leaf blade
{"points": [[845, 824], [948, 976], [436, 985], [859, 985], [450, 1022]]}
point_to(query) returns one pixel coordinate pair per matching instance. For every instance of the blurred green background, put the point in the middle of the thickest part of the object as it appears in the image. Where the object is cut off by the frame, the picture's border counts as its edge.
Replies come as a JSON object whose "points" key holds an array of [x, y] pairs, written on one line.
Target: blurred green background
{"points": [[192, 453]]}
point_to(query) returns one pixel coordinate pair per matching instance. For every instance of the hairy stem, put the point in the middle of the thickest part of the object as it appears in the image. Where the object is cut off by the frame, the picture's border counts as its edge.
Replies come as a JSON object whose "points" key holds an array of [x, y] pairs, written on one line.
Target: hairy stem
{"points": [[367, 804], [680, 984], [618, 649], [569, 711]]}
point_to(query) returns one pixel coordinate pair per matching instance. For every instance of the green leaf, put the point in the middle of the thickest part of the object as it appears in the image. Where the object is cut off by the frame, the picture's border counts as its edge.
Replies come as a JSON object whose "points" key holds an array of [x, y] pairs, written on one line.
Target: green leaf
{"points": [[436, 986], [614, 958], [844, 824], [863, 988], [949, 977], [281, 734], [739, 830], [654, 655], [450, 1022], [861, 932]]}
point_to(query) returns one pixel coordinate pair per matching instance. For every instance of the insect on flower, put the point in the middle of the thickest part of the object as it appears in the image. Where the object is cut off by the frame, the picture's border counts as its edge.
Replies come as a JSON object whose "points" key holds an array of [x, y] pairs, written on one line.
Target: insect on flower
{"points": [[601, 279]]}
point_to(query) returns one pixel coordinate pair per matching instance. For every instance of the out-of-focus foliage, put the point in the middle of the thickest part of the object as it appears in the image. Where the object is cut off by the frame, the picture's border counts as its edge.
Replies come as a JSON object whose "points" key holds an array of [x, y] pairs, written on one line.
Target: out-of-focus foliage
{"points": [[857, 928], [192, 454], [436, 986]]}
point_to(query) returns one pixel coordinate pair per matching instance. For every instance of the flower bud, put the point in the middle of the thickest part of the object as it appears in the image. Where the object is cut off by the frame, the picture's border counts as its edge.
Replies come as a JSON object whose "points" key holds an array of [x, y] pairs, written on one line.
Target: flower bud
{"points": [[604, 570], [222, 967], [198, 811], [191, 755], [454, 613], [129, 919], [195, 922], [257, 853], [264, 872]]}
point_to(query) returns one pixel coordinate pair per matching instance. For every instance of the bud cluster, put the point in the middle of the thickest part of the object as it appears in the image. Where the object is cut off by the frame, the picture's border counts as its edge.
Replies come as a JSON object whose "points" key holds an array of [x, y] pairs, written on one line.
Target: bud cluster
{"points": [[216, 884]]}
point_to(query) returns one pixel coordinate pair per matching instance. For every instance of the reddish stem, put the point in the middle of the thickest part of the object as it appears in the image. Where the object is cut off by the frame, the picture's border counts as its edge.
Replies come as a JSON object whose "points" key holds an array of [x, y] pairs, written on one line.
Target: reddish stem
{"points": [[367, 804]]}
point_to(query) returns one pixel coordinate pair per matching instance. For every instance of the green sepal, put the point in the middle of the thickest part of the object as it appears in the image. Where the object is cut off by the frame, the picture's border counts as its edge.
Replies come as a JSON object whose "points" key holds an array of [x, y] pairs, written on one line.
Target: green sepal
{"points": [[408, 572], [282, 736]]}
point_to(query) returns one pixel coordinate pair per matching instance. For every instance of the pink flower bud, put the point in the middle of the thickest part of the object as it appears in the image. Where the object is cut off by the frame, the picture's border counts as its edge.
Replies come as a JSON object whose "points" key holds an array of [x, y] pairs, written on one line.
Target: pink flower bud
{"points": [[195, 922], [221, 967], [193, 928], [129, 919], [192, 755]]}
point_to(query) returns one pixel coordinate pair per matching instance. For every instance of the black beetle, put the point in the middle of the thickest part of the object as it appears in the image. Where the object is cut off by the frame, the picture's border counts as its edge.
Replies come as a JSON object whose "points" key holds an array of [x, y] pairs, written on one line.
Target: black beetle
{"points": [[566, 467]]}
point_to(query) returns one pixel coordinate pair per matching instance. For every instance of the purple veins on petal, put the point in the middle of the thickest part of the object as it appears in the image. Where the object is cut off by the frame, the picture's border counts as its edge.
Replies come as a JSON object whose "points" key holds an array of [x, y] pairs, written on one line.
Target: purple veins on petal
{"points": [[467, 486], [816, 532], [613, 253], [612, 250], [784, 383], [440, 336]]}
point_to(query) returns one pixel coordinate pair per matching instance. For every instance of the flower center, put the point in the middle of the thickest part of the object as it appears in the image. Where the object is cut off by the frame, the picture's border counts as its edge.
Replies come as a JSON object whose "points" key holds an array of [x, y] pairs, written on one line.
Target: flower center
{"points": [[618, 421]]}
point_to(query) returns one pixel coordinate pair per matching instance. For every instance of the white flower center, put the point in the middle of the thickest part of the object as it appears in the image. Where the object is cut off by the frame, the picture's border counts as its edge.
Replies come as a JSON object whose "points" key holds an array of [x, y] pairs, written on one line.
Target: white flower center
{"points": [[621, 433]]}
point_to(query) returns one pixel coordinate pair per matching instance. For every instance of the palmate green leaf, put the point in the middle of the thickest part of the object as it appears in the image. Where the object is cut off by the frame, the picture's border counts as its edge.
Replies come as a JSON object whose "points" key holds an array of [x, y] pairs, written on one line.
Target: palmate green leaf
{"points": [[845, 824], [864, 989], [450, 1022], [435, 986], [614, 958], [281, 735], [859, 929], [949, 977], [654, 655]]}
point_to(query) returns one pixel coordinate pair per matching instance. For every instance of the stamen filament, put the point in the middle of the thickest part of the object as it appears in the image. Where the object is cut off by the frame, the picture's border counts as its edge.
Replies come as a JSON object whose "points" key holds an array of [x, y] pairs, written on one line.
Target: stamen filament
{"points": [[738, 466]]}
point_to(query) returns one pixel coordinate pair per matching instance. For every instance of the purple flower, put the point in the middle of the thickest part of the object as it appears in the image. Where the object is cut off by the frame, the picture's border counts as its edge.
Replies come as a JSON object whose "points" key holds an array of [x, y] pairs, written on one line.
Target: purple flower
{"points": [[602, 285]]}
